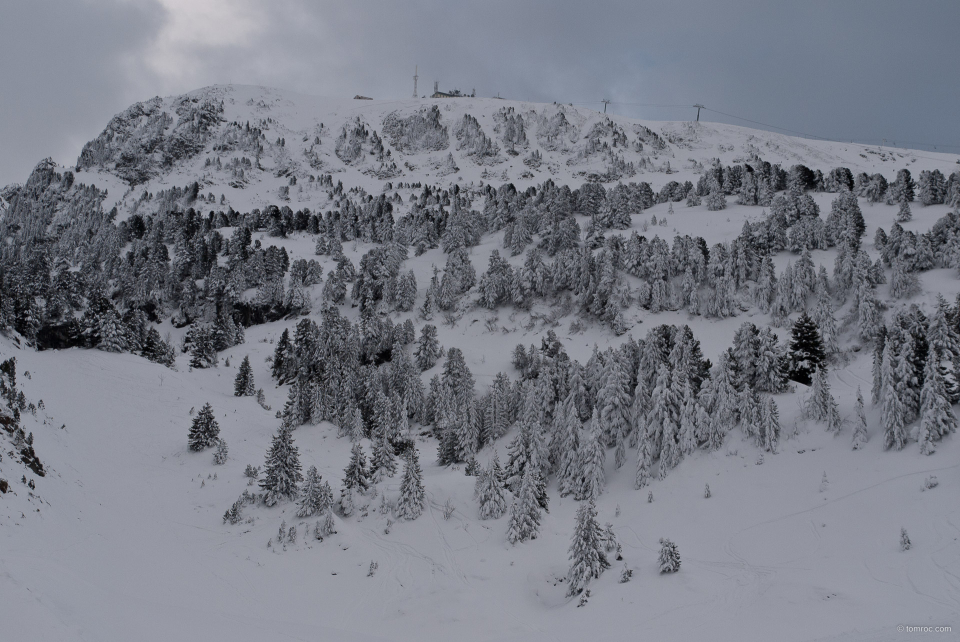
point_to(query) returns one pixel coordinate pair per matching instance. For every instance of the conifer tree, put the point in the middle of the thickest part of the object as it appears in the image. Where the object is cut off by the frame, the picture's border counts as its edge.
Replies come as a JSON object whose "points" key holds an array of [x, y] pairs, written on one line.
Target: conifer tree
{"points": [[490, 494], [383, 460], [587, 557], [613, 401], [204, 431], [892, 412], [243, 386], [315, 496], [281, 355], [282, 468], [806, 350], [412, 496], [669, 560], [591, 458], [220, 454], [567, 444], [769, 425], [822, 406], [428, 350], [860, 427], [936, 415], [688, 421], [525, 512], [355, 475]]}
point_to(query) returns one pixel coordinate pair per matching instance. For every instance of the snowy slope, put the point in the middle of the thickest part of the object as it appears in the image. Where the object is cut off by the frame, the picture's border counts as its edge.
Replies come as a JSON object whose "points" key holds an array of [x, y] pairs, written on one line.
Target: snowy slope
{"points": [[123, 539], [564, 149]]}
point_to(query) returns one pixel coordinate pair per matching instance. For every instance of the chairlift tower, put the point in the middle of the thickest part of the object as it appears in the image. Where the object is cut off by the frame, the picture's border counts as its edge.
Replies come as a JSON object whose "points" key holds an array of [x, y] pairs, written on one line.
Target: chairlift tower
{"points": [[416, 70]]}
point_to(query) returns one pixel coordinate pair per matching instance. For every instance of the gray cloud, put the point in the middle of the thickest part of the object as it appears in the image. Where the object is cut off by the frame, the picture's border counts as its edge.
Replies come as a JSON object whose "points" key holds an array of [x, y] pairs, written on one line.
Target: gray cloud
{"points": [[862, 70]]}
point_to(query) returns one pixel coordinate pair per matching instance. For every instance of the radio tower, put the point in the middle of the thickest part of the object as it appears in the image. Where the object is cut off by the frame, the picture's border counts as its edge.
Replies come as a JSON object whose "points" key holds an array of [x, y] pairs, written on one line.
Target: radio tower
{"points": [[416, 69]]}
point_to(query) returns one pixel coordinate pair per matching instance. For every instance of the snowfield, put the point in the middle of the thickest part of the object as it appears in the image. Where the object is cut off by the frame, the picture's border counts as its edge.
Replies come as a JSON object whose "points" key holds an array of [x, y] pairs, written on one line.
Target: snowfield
{"points": [[123, 539]]}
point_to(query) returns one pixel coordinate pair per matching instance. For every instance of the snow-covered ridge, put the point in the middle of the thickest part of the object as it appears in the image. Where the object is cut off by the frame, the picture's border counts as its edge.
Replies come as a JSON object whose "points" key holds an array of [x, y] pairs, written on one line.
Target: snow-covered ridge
{"points": [[433, 141]]}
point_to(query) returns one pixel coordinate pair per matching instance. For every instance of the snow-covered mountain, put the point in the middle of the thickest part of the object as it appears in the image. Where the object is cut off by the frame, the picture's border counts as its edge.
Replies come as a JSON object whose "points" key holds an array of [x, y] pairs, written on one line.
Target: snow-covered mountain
{"points": [[196, 229]]}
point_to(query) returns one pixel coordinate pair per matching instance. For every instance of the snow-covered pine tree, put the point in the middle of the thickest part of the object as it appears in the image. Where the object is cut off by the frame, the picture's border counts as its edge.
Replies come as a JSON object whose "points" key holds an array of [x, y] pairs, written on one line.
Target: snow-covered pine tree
{"points": [[525, 512], [669, 560], [891, 412], [591, 458], [688, 421], [412, 495], [587, 557], [613, 401], [823, 317], [428, 350], [822, 406], [282, 468], [769, 433], [566, 445], [383, 461], [860, 425], [944, 343], [877, 389], [313, 495], [204, 432], [936, 415], [355, 475], [493, 503], [725, 405], [806, 350], [243, 385]]}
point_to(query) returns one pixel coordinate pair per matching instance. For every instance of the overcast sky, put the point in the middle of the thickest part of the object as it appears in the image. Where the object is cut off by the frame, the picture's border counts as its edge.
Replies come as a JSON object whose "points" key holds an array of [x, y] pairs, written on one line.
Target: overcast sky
{"points": [[864, 70]]}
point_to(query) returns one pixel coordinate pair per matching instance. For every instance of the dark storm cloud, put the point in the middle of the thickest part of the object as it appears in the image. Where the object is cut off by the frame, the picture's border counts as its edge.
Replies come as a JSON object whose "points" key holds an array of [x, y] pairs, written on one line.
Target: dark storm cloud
{"points": [[849, 70], [64, 70]]}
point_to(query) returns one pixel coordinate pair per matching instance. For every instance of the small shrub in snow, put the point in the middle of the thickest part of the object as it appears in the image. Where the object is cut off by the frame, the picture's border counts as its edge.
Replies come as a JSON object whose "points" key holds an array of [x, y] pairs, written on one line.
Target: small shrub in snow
{"points": [[220, 455], [649, 498], [904, 540], [235, 513], [625, 574], [373, 569], [706, 492], [930, 482], [251, 471], [448, 509], [824, 483]]}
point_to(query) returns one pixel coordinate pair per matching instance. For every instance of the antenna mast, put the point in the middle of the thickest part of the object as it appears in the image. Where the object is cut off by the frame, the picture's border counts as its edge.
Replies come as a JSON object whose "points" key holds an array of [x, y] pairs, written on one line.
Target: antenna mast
{"points": [[416, 70]]}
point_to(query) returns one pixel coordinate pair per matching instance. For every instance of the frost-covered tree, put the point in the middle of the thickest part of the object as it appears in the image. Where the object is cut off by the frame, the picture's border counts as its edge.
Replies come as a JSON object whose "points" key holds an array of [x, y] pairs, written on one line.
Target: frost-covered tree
{"points": [[383, 461], [936, 414], [204, 432], [315, 495], [355, 475], [892, 411], [282, 468], [591, 458], [669, 559], [769, 430], [412, 495], [613, 402], [493, 503], [587, 557], [821, 405], [428, 350], [860, 423], [243, 385], [525, 512]]}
